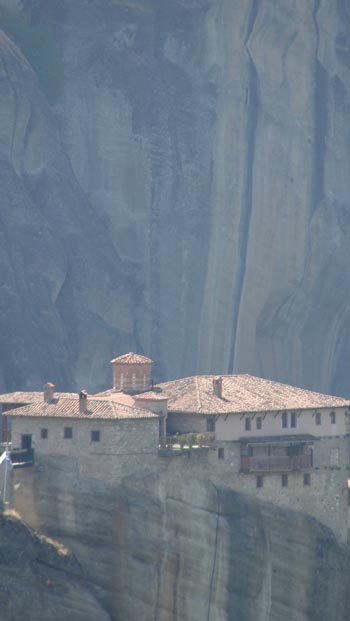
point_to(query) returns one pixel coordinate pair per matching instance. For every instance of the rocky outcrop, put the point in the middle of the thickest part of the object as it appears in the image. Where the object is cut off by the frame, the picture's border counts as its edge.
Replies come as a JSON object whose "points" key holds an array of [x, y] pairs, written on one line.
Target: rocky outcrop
{"points": [[40, 580], [200, 552], [189, 193], [62, 281], [169, 549]]}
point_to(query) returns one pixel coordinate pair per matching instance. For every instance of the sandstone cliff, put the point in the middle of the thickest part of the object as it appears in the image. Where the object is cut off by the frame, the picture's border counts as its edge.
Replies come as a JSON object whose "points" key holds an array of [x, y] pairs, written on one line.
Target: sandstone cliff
{"points": [[62, 281], [161, 548], [191, 551], [188, 194], [40, 581]]}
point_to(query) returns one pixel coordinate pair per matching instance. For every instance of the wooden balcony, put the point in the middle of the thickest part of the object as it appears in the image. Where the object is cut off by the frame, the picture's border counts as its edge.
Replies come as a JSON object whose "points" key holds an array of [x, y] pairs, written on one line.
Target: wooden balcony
{"points": [[276, 463]]}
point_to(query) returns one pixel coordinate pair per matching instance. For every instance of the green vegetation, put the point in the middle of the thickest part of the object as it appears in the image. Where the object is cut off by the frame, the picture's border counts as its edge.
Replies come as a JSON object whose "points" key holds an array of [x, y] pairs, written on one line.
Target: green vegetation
{"points": [[38, 44], [191, 439]]}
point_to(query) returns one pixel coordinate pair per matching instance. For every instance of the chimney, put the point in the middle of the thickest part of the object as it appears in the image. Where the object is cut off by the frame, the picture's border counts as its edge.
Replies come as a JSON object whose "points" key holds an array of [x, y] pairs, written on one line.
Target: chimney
{"points": [[217, 387], [83, 401], [48, 391]]}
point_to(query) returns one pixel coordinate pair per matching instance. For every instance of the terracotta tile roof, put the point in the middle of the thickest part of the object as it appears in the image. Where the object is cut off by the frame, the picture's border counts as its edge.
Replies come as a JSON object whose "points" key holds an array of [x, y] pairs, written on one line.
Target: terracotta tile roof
{"points": [[122, 397], [69, 408], [117, 396], [132, 358], [151, 395], [242, 393], [30, 396]]}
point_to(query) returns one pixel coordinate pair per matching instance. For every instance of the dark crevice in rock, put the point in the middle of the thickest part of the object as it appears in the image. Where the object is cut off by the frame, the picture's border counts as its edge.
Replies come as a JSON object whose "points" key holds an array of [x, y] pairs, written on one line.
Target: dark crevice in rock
{"points": [[215, 551], [246, 209], [320, 119]]}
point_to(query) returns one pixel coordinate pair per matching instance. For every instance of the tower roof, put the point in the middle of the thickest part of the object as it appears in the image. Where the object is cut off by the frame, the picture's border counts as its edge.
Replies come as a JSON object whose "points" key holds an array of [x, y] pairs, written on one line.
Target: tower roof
{"points": [[132, 358]]}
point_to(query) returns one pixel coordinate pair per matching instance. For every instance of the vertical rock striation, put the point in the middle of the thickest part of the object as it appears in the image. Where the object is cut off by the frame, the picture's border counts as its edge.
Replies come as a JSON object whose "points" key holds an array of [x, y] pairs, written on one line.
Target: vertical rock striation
{"points": [[201, 148], [207, 553], [163, 548], [62, 280]]}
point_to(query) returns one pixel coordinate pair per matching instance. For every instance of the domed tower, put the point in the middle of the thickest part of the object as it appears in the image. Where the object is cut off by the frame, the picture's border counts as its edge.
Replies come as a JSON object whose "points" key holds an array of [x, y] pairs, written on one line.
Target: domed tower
{"points": [[132, 373]]}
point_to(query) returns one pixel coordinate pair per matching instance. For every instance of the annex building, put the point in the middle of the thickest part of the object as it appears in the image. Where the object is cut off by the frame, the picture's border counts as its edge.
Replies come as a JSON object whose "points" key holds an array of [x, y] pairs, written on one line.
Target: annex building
{"points": [[281, 443]]}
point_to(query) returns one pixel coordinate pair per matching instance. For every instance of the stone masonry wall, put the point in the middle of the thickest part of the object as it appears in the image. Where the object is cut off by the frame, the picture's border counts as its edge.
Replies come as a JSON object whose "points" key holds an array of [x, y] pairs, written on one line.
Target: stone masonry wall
{"points": [[125, 446], [326, 498], [123, 436]]}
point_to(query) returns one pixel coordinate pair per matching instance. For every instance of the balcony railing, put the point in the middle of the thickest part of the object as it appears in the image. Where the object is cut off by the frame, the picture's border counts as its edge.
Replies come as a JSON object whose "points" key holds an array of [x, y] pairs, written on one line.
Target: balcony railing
{"points": [[275, 463]]}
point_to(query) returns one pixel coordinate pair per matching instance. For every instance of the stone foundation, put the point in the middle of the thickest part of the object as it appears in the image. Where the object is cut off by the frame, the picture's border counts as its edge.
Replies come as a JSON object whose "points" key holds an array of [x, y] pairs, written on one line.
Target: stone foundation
{"points": [[326, 497]]}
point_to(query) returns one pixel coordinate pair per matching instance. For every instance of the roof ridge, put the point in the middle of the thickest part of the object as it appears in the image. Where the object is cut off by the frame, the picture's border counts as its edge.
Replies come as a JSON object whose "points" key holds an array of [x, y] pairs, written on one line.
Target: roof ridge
{"points": [[132, 358]]}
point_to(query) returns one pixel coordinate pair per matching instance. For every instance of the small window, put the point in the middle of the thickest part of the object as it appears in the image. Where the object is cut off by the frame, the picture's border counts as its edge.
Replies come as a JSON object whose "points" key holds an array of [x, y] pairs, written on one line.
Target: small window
{"points": [[221, 453], [258, 422], [68, 433], [260, 480], [95, 436], [134, 380], [284, 480], [333, 418], [43, 434], [248, 424], [144, 380], [210, 424], [284, 420], [334, 458], [307, 478], [318, 418], [121, 380], [293, 419]]}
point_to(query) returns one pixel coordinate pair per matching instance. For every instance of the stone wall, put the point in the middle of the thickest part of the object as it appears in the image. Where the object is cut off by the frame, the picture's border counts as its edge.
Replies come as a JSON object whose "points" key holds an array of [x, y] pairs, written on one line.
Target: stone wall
{"points": [[325, 497], [122, 436], [125, 446]]}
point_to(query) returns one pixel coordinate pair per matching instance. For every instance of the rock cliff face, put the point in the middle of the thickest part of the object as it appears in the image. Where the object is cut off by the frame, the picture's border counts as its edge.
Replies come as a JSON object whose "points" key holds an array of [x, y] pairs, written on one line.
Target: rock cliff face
{"points": [[40, 583], [58, 261], [199, 552], [164, 549], [188, 194]]}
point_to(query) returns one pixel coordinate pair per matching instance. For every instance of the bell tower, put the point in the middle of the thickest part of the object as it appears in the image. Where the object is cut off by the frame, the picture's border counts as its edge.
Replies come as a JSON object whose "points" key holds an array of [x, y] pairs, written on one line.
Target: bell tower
{"points": [[132, 373]]}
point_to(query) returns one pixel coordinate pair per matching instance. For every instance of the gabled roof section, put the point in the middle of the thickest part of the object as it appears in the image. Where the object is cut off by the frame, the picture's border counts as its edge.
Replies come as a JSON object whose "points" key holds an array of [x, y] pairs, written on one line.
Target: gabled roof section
{"points": [[242, 393], [132, 358], [70, 408]]}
